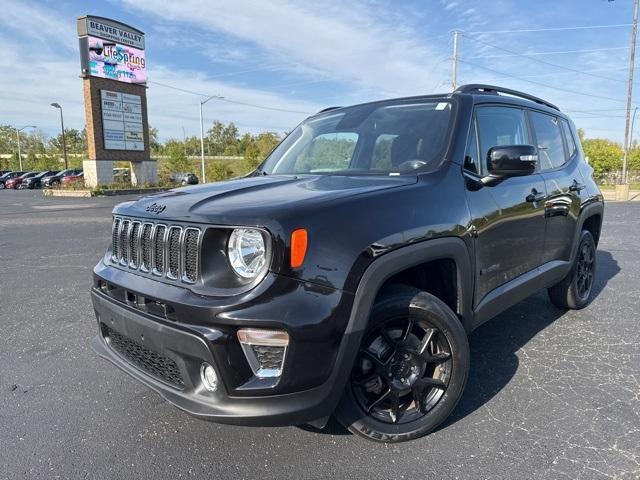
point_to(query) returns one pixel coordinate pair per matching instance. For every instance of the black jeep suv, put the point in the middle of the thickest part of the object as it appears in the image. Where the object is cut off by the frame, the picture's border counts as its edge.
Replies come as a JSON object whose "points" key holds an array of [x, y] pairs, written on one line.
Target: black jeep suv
{"points": [[342, 276]]}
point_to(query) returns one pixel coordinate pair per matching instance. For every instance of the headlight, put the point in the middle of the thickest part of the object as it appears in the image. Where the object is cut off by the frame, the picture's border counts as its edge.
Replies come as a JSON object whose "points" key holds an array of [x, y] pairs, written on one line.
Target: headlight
{"points": [[247, 252]]}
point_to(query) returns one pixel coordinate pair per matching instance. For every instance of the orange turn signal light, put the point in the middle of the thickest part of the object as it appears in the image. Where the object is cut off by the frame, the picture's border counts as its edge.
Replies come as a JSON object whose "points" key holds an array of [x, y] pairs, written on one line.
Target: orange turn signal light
{"points": [[298, 247]]}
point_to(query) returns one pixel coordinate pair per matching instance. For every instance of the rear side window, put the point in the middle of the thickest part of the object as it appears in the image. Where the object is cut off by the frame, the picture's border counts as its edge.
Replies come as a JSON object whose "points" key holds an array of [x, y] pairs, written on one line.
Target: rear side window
{"points": [[568, 135], [550, 147], [501, 126]]}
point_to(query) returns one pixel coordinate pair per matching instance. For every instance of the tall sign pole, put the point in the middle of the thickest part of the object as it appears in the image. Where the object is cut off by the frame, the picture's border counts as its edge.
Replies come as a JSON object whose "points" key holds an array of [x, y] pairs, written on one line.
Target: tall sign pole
{"points": [[114, 74], [627, 135]]}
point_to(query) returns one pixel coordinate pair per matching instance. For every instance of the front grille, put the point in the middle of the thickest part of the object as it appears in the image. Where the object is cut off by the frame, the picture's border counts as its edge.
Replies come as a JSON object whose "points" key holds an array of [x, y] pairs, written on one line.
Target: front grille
{"points": [[174, 252], [170, 251], [144, 358], [115, 239], [158, 249], [135, 229], [191, 248], [146, 246], [124, 242]]}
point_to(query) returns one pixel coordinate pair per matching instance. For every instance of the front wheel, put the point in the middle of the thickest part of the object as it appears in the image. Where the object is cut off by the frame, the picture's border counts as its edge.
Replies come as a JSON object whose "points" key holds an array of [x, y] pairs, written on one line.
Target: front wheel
{"points": [[2, 187], [410, 371], [574, 290]]}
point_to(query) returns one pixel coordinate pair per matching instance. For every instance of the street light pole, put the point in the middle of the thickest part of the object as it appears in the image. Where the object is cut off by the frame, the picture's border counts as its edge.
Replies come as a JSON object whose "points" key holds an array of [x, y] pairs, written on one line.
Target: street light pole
{"points": [[64, 142], [18, 130], [202, 102]]}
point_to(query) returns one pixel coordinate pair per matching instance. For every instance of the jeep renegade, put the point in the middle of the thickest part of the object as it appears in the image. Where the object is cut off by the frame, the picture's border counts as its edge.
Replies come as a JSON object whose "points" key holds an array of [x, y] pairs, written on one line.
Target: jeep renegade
{"points": [[344, 274]]}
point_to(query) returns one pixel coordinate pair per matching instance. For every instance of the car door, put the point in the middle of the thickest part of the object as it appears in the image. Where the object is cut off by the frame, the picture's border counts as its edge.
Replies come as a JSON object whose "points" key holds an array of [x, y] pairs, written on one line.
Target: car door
{"points": [[507, 219], [559, 166]]}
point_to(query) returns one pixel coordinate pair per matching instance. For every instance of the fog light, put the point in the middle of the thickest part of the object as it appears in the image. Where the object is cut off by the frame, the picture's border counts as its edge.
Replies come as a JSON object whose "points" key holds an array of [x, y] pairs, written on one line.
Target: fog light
{"points": [[209, 377]]}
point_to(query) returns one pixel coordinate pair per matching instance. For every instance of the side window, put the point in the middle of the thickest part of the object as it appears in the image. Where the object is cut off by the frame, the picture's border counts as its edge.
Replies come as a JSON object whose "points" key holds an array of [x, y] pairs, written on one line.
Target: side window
{"points": [[471, 162], [550, 146], [500, 126], [329, 151], [568, 135]]}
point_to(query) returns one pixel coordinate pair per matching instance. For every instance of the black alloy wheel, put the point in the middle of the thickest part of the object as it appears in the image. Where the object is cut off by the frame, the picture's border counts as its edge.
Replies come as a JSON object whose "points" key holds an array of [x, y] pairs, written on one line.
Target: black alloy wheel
{"points": [[585, 270], [402, 370], [574, 291], [410, 370]]}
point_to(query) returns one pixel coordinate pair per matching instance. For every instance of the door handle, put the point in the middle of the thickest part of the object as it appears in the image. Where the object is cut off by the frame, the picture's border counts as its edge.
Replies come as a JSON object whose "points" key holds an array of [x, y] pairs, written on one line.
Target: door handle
{"points": [[535, 196], [576, 187]]}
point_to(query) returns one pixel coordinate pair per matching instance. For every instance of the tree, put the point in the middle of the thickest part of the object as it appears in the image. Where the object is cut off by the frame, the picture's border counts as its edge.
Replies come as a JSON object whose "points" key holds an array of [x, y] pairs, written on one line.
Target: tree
{"points": [[177, 161], [259, 148], [605, 156], [221, 138], [154, 143], [76, 141]]}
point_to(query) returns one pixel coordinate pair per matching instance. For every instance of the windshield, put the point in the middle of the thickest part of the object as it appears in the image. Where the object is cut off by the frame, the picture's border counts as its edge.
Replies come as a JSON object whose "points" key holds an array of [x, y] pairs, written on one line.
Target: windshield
{"points": [[380, 138]]}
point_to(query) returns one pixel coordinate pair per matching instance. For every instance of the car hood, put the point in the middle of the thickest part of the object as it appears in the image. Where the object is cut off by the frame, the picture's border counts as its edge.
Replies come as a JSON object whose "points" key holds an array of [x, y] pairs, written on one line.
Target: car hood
{"points": [[253, 200]]}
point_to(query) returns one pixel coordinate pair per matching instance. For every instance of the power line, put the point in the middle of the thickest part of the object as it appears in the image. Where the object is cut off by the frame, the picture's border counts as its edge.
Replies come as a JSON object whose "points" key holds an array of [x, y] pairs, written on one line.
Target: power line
{"points": [[562, 52], [544, 62], [556, 29], [236, 102], [540, 83]]}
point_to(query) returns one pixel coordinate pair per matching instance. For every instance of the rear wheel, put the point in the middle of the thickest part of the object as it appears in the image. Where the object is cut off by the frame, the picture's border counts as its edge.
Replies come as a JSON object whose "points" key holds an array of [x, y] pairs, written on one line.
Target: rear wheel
{"points": [[2, 186], [410, 371], [574, 290]]}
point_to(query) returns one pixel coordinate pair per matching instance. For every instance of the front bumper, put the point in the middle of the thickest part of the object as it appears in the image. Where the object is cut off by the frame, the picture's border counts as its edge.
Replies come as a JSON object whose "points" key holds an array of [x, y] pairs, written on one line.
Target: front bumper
{"points": [[203, 330]]}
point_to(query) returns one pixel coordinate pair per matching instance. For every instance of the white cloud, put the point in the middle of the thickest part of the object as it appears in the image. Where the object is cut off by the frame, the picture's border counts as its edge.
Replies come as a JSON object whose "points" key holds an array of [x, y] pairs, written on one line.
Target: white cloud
{"points": [[357, 45]]}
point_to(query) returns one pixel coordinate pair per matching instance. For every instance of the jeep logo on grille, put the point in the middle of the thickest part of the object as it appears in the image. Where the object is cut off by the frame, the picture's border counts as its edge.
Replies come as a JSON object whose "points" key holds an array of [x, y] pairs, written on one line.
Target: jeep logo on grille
{"points": [[156, 208]]}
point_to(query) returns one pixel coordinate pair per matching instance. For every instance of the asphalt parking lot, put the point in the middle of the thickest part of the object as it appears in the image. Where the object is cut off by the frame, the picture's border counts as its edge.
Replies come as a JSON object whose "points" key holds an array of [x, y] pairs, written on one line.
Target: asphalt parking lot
{"points": [[552, 394]]}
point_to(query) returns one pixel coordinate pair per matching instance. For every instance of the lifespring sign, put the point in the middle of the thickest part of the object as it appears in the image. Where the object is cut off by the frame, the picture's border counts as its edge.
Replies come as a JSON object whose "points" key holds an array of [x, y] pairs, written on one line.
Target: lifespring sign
{"points": [[112, 60], [111, 49]]}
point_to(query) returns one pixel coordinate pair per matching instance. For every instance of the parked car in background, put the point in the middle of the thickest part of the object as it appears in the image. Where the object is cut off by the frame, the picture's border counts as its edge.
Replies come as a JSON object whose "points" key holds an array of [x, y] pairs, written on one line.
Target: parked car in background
{"points": [[36, 181], [53, 180], [15, 182], [2, 172], [184, 178], [121, 175], [68, 180], [8, 176]]}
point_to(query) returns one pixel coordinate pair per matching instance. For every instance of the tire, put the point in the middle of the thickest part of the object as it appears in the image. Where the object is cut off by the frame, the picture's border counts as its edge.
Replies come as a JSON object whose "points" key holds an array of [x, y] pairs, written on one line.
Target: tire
{"points": [[574, 290], [2, 186], [414, 359]]}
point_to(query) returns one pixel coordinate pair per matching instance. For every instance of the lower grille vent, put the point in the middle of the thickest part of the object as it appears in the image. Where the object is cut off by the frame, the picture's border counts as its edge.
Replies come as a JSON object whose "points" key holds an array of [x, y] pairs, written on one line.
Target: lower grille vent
{"points": [[151, 362]]}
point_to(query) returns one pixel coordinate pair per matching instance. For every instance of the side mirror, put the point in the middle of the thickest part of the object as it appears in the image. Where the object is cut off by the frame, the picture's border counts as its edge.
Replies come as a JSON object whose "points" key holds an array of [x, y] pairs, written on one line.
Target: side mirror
{"points": [[510, 161]]}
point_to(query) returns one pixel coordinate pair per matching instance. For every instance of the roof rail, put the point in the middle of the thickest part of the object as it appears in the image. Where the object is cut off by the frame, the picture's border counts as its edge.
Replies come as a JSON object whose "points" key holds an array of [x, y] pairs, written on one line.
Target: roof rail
{"points": [[480, 88], [327, 109]]}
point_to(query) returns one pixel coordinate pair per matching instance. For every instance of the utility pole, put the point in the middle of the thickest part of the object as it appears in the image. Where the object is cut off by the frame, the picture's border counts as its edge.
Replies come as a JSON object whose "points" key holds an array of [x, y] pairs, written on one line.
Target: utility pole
{"points": [[454, 60], [202, 102], [627, 145]]}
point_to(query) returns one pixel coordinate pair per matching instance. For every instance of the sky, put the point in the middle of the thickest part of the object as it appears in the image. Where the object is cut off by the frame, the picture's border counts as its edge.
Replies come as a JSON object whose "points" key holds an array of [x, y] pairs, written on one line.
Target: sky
{"points": [[295, 58]]}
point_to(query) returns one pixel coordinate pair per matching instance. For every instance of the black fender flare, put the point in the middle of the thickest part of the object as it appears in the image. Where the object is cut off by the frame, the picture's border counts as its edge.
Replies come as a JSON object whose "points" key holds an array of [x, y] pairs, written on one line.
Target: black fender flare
{"points": [[374, 277], [587, 211]]}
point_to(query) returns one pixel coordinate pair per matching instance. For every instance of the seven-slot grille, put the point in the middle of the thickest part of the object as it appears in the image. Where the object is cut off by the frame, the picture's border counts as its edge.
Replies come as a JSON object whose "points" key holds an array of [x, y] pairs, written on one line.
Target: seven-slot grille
{"points": [[171, 251]]}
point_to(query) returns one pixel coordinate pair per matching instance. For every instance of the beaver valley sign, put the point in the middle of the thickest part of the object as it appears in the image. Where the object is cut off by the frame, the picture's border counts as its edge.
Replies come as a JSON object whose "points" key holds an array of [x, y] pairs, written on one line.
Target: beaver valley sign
{"points": [[110, 30]]}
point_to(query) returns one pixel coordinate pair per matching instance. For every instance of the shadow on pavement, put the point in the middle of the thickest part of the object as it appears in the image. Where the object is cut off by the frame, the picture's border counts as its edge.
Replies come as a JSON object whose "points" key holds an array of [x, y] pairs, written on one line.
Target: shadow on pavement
{"points": [[493, 345]]}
